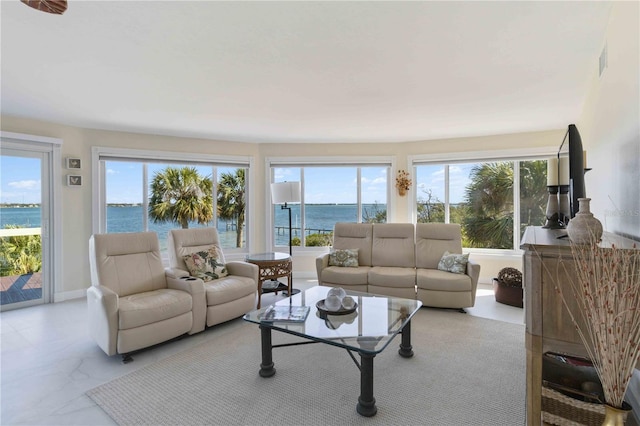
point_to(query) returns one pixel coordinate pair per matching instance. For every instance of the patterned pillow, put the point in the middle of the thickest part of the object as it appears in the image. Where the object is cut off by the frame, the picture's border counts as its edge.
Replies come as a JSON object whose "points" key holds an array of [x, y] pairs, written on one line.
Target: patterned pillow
{"points": [[456, 263], [206, 264], [346, 257]]}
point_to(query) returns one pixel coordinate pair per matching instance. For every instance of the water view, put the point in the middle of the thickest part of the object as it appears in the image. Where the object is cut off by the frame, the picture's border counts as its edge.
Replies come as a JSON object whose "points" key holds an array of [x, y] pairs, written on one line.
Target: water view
{"points": [[320, 218]]}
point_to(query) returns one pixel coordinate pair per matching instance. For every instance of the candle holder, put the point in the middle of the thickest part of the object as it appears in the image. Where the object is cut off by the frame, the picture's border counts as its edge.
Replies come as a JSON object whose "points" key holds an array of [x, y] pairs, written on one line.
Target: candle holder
{"points": [[553, 209], [564, 207]]}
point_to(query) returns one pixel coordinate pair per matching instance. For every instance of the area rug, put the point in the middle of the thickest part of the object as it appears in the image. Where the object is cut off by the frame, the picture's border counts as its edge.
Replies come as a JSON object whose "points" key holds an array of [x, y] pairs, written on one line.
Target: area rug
{"points": [[466, 371]]}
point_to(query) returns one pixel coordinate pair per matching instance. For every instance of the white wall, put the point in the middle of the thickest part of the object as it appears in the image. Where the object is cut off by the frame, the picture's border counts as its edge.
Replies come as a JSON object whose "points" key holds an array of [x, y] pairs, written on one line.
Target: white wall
{"points": [[610, 126], [610, 130]]}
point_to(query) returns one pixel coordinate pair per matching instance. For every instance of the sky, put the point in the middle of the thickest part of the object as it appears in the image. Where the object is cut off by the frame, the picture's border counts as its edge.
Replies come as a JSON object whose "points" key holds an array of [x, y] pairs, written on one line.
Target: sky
{"points": [[20, 181]]}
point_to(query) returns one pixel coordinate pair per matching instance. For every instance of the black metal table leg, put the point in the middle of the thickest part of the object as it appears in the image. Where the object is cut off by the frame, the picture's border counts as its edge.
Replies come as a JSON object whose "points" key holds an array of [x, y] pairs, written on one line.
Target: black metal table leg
{"points": [[366, 402], [406, 350], [266, 367]]}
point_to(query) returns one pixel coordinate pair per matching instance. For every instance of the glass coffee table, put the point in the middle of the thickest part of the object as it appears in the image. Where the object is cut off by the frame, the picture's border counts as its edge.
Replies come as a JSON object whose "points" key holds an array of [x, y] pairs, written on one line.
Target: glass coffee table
{"points": [[367, 331]]}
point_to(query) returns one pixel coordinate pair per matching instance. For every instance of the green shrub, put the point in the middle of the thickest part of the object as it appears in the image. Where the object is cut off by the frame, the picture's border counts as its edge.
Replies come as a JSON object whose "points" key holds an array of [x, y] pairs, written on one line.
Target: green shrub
{"points": [[314, 240], [20, 254]]}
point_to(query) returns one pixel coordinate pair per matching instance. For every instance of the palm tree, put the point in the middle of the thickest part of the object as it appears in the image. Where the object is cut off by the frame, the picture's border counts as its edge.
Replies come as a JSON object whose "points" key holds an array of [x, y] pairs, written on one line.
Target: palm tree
{"points": [[489, 199], [181, 195], [533, 193], [231, 200]]}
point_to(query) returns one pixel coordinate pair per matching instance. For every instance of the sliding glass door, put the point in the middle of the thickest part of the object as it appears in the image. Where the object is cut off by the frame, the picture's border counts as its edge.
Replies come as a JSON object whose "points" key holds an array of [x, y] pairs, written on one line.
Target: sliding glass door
{"points": [[24, 225]]}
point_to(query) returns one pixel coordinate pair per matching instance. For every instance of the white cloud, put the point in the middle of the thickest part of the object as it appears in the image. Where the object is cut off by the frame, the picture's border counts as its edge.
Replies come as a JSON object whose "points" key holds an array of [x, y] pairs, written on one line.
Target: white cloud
{"points": [[111, 172], [285, 174], [25, 184], [376, 181]]}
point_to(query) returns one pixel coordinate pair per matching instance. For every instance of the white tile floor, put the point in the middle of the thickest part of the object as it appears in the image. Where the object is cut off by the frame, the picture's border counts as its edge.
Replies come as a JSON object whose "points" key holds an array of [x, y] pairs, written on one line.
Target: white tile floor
{"points": [[48, 361]]}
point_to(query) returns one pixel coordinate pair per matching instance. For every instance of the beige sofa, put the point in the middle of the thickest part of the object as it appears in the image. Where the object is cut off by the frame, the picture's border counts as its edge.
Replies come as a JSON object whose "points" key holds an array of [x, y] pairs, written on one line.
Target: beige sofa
{"points": [[401, 260]]}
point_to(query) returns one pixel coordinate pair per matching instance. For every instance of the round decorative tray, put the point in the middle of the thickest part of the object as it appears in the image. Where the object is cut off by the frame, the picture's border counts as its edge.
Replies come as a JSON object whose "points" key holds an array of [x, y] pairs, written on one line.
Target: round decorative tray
{"points": [[342, 311]]}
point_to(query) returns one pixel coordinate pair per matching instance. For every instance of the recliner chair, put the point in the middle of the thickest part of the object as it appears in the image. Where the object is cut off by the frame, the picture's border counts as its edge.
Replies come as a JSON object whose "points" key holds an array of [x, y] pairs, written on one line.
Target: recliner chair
{"points": [[227, 297], [132, 303], [438, 288]]}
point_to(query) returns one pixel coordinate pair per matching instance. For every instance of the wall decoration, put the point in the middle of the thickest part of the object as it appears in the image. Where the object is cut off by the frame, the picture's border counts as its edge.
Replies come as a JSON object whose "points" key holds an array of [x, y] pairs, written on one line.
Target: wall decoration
{"points": [[403, 182], [74, 163], [74, 180]]}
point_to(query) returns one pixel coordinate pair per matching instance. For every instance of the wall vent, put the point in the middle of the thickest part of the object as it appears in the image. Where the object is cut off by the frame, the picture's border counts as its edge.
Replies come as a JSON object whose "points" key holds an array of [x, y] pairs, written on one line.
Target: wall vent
{"points": [[604, 60]]}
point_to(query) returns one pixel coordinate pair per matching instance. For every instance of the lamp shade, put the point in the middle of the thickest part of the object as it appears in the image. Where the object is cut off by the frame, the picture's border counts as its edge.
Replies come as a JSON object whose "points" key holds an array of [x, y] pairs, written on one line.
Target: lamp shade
{"points": [[285, 192]]}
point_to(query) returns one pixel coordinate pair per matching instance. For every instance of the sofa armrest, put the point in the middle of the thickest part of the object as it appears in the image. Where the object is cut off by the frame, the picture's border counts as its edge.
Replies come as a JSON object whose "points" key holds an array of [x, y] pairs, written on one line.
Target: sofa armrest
{"points": [[176, 273], [243, 269], [473, 271], [322, 262], [102, 303], [195, 287]]}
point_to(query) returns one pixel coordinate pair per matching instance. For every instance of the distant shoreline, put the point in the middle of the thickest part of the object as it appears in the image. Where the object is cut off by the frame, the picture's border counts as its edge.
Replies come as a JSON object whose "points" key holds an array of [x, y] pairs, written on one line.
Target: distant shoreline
{"points": [[19, 205], [37, 205]]}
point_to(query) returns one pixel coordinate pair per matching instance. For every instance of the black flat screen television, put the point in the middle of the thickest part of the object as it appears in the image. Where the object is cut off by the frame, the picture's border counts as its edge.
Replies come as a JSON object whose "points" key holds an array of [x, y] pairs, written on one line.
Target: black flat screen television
{"points": [[572, 144]]}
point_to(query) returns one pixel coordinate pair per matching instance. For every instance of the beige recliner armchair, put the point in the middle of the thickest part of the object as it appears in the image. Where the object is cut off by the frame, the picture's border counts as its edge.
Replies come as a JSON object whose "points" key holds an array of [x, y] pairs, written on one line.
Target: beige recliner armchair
{"points": [[228, 296], [132, 303]]}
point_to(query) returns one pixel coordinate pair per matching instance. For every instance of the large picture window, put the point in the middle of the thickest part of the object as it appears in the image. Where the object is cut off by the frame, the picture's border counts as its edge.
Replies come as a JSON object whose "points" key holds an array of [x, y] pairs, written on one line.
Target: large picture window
{"points": [[493, 201], [330, 194], [147, 194]]}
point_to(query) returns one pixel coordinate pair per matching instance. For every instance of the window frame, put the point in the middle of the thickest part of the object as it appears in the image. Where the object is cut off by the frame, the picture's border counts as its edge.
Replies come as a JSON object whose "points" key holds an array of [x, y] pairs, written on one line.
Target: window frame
{"points": [[302, 162], [515, 155], [100, 154]]}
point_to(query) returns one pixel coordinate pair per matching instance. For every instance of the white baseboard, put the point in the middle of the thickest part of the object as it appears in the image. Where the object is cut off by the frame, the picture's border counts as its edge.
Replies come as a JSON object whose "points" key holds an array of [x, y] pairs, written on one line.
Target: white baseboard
{"points": [[69, 295], [305, 275]]}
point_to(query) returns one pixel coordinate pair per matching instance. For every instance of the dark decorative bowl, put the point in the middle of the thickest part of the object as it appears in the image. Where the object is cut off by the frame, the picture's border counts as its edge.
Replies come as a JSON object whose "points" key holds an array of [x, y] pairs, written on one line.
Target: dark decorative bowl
{"points": [[323, 311]]}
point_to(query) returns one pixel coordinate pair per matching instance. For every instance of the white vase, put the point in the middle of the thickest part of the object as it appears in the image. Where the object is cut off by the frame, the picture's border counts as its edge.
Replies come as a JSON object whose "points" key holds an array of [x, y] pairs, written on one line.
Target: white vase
{"points": [[584, 228]]}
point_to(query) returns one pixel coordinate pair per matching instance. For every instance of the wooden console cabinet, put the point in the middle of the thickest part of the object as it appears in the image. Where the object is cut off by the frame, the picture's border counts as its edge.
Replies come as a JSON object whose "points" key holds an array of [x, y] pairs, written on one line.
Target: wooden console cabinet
{"points": [[548, 325]]}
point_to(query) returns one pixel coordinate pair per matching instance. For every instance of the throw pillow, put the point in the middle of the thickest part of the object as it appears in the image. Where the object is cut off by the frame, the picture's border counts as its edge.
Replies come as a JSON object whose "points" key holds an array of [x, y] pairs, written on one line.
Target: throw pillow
{"points": [[456, 263], [345, 257], [206, 264]]}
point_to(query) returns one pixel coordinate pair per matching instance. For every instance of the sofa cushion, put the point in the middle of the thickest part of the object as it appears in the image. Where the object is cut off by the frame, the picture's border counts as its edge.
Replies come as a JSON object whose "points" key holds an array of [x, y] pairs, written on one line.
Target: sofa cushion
{"points": [[207, 265], [390, 276], [433, 279], [451, 262], [181, 242], [393, 245], [433, 239], [345, 276], [354, 235], [127, 263], [344, 258], [228, 289], [152, 306]]}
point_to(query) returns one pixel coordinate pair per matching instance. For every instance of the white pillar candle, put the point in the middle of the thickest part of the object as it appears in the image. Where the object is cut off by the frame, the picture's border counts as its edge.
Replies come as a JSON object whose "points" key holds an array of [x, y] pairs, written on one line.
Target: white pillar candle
{"points": [[563, 168], [552, 171]]}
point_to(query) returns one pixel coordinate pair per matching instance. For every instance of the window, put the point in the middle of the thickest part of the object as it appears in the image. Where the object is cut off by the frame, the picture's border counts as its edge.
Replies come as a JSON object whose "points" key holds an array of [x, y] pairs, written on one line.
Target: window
{"points": [[480, 197], [430, 196], [157, 194], [329, 194]]}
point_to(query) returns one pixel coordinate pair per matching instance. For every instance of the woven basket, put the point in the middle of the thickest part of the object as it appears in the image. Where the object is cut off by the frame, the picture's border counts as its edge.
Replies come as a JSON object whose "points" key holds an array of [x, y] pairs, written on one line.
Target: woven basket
{"points": [[559, 409]]}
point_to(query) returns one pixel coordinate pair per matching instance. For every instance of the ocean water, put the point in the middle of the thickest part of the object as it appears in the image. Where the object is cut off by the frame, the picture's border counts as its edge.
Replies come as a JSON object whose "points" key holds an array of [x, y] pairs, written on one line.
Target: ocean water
{"points": [[319, 218]]}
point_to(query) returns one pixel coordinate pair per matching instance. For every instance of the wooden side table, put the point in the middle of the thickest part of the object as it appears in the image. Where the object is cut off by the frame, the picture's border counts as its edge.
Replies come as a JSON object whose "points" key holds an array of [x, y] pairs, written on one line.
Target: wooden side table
{"points": [[271, 267]]}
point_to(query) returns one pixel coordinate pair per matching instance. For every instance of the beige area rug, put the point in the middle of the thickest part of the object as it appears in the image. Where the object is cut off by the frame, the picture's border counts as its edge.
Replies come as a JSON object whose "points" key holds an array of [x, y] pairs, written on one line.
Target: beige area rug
{"points": [[466, 371]]}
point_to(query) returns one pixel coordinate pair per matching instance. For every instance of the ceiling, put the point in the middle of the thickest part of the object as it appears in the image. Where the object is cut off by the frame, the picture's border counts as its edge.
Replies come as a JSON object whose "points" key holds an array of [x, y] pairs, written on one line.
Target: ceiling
{"points": [[303, 71]]}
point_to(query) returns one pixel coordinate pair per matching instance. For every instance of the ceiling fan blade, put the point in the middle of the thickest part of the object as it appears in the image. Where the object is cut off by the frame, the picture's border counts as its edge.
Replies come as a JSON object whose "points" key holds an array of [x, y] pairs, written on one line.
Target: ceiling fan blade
{"points": [[56, 7]]}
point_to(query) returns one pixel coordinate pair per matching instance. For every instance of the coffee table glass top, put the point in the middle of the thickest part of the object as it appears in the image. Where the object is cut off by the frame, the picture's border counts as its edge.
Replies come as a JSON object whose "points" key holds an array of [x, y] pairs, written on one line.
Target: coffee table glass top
{"points": [[376, 321]]}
